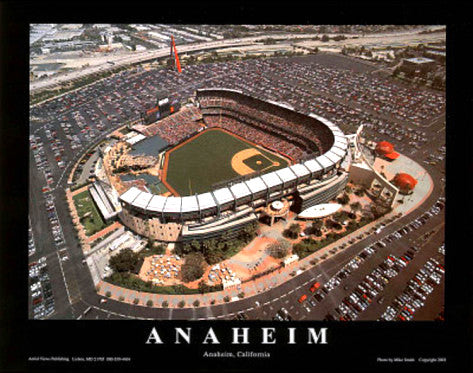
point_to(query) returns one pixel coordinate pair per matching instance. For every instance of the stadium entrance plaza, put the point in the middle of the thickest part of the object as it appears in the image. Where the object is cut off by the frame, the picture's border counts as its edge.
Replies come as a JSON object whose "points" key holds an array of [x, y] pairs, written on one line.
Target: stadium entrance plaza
{"points": [[253, 258]]}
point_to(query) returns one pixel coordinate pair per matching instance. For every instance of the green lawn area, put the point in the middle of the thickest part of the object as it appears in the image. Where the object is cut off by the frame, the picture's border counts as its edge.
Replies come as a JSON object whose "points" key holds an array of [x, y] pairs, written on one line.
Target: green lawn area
{"points": [[206, 160], [86, 206], [125, 130]]}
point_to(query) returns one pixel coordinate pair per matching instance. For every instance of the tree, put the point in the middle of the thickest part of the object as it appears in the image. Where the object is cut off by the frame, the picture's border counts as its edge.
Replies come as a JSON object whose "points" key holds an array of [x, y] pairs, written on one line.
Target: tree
{"points": [[125, 261], [108, 294], [355, 206], [181, 304], [149, 303], [226, 298], [278, 249], [293, 231], [344, 199], [241, 294], [196, 303], [165, 304], [193, 267], [136, 301], [317, 224], [325, 38]]}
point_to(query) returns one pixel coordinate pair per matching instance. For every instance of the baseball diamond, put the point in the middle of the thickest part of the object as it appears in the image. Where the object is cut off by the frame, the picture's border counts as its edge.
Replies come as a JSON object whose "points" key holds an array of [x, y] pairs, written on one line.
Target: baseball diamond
{"points": [[213, 156]]}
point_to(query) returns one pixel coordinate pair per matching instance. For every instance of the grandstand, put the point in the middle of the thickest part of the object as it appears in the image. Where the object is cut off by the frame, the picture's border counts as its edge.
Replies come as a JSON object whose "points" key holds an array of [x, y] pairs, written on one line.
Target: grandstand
{"points": [[318, 171]]}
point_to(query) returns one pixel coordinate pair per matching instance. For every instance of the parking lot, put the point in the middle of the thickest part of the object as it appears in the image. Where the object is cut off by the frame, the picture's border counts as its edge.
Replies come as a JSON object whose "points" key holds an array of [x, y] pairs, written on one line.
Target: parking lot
{"points": [[62, 129]]}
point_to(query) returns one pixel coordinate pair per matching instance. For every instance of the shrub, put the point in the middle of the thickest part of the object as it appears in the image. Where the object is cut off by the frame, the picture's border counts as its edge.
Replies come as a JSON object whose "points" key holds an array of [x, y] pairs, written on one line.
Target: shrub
{"points": [[241, 295], [108, 294], [212, 301], [121, 298], [136, 301], [226, 299], [181, 304], [149, 303], [196, 303], [165, 304]]}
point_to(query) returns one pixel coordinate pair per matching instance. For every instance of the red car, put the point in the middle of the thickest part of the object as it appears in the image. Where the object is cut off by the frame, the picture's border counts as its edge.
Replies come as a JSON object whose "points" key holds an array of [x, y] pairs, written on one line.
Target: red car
{"points": [[314, 287], [302, 299]]}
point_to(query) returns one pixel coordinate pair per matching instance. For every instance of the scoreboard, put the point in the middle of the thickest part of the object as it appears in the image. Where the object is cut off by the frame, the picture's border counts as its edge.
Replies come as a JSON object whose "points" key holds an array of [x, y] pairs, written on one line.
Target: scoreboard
{"points": [[164, 107]]}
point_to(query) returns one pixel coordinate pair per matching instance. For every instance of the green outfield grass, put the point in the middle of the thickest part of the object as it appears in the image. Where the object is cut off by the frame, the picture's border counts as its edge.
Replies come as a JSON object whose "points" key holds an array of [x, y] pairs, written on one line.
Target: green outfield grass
{"points": [[85, 206], [206, 160]]}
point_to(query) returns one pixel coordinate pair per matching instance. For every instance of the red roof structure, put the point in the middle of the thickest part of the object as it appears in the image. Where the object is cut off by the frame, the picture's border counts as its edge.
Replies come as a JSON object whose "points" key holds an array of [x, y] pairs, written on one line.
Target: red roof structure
{"points": [[386, 149], [405, 182]]}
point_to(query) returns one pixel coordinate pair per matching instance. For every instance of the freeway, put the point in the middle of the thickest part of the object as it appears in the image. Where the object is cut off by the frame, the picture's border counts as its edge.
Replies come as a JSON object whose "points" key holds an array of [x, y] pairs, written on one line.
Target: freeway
{"points": [[378, 39]]}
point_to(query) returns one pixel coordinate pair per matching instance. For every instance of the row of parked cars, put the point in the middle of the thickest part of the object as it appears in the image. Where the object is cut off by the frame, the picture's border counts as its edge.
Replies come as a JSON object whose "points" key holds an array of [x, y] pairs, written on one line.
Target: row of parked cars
{"points": [[40, 289], [282, 315], [372, 286], [42, 163], [416, 292], [56, 228], [56, 145], [320, 292], [31, 244], [74, 141]]}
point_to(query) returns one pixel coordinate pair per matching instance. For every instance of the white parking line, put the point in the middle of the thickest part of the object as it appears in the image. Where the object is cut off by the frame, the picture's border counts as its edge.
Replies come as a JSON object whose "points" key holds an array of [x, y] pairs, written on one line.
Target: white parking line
{"points": [[64, 278]]}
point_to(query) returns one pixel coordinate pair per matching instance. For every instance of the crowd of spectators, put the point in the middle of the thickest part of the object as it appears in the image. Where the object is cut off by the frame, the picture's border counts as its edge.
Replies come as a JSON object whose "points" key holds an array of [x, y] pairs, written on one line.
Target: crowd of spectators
{"points": [[261, 126], [176, 128]]}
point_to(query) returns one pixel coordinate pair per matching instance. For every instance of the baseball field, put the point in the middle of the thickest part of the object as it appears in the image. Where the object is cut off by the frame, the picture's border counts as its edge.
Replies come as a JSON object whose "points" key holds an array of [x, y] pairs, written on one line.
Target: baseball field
{"points": [[213, 156]]}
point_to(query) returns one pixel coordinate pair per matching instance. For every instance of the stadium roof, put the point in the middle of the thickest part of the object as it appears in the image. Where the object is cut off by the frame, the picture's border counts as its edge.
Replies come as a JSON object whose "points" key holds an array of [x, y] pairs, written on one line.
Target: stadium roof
{"points": [[324, 161], [189, 203], [130, 195], [256, 184], [300, 170], [334, 157], [173, 205], [142, 200], [313, 165], [286, 174], [223, 195], [240, 190], [271, 179], [156, 203], [206, 201]]}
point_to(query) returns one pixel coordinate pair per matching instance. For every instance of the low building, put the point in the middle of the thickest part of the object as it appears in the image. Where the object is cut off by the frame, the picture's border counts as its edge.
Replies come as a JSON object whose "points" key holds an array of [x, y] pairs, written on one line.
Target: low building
{"points": [[439, 56], [417, 65], [290, 260]]}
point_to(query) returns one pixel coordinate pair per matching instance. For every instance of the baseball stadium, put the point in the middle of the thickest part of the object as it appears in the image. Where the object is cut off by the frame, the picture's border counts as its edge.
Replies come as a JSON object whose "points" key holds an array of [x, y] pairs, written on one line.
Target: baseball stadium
{"points": [[220, 163]]}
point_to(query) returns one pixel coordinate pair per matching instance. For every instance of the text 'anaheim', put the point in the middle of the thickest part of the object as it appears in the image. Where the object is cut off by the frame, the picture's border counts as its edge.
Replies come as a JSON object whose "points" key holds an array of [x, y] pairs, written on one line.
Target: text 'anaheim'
{"points": [[242, 336]]}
